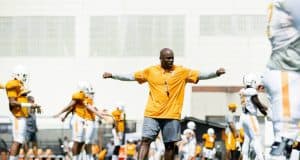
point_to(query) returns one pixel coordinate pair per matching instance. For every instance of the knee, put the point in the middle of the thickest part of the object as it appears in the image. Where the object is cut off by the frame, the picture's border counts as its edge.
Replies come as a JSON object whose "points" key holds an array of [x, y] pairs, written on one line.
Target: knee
{"points": [[170, 145], [88, 148], [146, 141]]}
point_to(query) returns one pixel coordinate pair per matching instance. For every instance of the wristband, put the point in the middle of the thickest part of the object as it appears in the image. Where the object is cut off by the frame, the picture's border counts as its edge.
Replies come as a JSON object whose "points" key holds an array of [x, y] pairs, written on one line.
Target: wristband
{"points": [[27, 105]]}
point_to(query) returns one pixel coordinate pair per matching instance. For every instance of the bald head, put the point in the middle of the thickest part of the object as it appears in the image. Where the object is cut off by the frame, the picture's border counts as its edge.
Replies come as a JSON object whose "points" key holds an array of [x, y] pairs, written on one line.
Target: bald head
{"points": [[165, 51], [166, 58]]}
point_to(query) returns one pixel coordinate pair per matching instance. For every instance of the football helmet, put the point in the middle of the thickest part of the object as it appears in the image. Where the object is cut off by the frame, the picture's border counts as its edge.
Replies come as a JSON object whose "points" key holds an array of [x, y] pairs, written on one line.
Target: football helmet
{"points": [[251, 80], [85, 87], [191, 125], [210, 131], [20, 73], [120, 106]]}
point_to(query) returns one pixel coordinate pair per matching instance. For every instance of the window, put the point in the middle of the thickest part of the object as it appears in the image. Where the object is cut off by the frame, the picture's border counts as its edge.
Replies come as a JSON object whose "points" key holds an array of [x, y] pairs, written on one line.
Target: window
{"points": [[136, 35], [37, 36], [229, 25]]}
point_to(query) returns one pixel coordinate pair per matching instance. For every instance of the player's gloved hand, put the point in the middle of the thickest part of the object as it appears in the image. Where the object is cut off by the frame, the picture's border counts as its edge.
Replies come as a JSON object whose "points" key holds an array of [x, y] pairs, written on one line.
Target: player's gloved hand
{"points": [[36, 108], [39, 110]]}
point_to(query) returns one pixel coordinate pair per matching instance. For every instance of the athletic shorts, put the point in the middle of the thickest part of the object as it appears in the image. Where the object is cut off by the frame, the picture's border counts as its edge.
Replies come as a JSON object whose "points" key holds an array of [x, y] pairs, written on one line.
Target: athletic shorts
{"points": [[19, 129], [170, 129], [82, 130]]}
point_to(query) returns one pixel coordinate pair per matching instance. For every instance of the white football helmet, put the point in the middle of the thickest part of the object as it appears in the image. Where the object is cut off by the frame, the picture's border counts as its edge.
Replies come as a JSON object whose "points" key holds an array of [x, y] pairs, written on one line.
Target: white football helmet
{"points": [[191, 125], [210, 131], [120, 107], [85, 87], [20, 73], [251, 80]]}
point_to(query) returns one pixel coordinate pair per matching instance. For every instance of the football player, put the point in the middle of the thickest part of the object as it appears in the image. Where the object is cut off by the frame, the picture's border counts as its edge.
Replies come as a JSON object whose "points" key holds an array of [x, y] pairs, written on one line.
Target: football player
{"points": [[19, 107], [282, 78], [118, 130], [209, 150], [250, 103], [82, 122]]}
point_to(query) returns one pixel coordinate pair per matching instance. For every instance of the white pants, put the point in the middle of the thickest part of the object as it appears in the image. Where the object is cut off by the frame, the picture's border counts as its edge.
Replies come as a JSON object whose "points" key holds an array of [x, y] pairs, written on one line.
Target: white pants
{"points": [[283, 89], [19, 129], [118, 137], [82, 130], [252, 136], [209, 153]]}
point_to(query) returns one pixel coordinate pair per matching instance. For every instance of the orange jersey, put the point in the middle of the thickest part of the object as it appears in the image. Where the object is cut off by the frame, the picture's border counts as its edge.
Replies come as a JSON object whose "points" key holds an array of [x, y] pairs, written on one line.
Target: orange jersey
{"points": [[209, 141], [14, 88], [102, 154], [89, 114], [130, 149], [119, 118], [166, 90], [80, 107], [198, 150]]}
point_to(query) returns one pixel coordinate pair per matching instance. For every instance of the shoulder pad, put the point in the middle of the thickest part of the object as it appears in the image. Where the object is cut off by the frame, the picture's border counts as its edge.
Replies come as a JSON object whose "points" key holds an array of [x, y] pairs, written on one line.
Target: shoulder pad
{"points": [[12, 84], [78, 96]]}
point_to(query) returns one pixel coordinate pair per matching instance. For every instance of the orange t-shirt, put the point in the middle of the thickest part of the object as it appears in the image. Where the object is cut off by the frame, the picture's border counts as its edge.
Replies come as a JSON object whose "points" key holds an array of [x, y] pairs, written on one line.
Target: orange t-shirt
{"points": [[166, 90]]}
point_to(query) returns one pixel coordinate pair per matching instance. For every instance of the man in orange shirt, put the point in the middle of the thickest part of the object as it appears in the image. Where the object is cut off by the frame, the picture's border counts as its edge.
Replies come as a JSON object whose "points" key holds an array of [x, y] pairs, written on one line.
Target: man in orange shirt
{"points": [[118, 130], [163, 110]]}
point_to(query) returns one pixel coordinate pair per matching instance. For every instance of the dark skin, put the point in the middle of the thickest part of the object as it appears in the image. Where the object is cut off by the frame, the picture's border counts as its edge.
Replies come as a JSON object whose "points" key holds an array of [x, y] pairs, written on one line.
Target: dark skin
{"points": [[167, 62], [255, 100], [166, 59], [263, 109]]}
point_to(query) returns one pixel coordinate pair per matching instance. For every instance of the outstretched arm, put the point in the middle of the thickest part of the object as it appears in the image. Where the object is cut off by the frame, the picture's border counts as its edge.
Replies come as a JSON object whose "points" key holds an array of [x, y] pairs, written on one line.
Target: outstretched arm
{"points": [[65, 109], [13, 103], [102, 113], [67, 113], [209, 74], [121, 77], [263, 109]]}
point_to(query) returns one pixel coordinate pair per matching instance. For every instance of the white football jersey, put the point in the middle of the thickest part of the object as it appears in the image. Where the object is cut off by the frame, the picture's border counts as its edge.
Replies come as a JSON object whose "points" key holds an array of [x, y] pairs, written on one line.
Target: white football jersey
{"points": [[246, 94]]}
